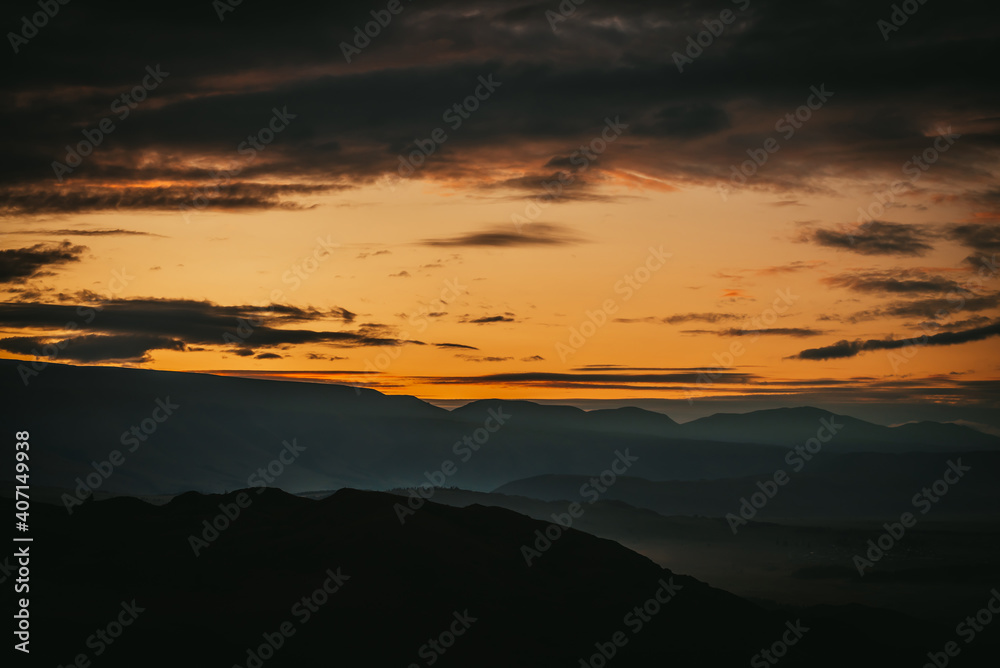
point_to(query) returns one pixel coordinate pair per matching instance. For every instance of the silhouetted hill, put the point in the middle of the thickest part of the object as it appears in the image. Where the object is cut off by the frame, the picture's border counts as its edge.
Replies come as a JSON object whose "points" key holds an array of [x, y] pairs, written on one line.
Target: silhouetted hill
{"points": [[792, 426], [399, 586], [856, 486], [181, 431]]}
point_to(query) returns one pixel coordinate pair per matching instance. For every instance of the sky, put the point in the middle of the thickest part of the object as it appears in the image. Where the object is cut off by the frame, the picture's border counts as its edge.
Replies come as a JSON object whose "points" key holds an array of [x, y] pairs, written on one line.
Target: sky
{"points": [[674, 205]]}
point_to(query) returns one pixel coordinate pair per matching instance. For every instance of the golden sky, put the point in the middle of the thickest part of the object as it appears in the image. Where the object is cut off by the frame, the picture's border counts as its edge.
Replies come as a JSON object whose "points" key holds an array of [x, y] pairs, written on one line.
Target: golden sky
{"points": [[585, 186]]}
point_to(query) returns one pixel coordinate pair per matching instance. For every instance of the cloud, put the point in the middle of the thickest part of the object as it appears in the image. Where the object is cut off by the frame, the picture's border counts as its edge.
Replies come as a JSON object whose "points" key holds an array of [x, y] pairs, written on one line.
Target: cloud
{"points": [[609, 58], [894, 281], [88, 233], [800, 332], [85, 197], [843, 349], [362, 256], [874, 238], [703, 317], [931, 308], [455, 345], [533, 358], [982, 237], [536, 234], [493, 318], [92, 347], [476, 358], [791, 267], [612, 379], [18, 264], [178, 322], [268, 356]]}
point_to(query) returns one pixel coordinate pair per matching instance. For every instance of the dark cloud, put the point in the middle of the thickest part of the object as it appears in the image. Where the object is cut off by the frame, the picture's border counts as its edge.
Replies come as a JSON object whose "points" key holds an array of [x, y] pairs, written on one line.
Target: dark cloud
{"points": [[977, 321], [353, 120], [791, 267], [268, 356], [331, 358], [931, 308], [18, 264], [241, 329], [91, 198], [492, 318], [535, 234], [455, 345], [625, 379], [703, 317], [800, 332], [92, 347], [477, 358], [874, 238], [845, 348], [894, 281], [984, 237], [687, 121], [88, 233]]}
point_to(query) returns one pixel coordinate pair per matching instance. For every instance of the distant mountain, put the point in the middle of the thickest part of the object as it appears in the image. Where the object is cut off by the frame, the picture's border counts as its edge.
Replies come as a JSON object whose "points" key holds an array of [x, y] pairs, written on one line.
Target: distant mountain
{"points": [[854, 486], [792, 426], [307, 583], [224, 431], [786, 427]]}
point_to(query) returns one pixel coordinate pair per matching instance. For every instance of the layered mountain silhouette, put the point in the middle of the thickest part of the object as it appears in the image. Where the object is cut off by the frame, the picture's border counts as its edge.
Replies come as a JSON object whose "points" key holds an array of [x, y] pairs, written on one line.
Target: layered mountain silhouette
{"points": [[392, 588], [224, 429]]}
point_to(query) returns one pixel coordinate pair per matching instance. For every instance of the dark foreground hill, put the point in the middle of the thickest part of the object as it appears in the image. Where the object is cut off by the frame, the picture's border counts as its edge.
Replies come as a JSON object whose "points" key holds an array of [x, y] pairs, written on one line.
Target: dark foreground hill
{"points": [[342, 582]]}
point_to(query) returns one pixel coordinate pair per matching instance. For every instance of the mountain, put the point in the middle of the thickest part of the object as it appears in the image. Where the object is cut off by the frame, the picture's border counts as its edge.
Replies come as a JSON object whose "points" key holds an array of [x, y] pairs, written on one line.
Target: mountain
{"points": [[303, 583], [793, 426], [173, 432], [854, 486]]}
